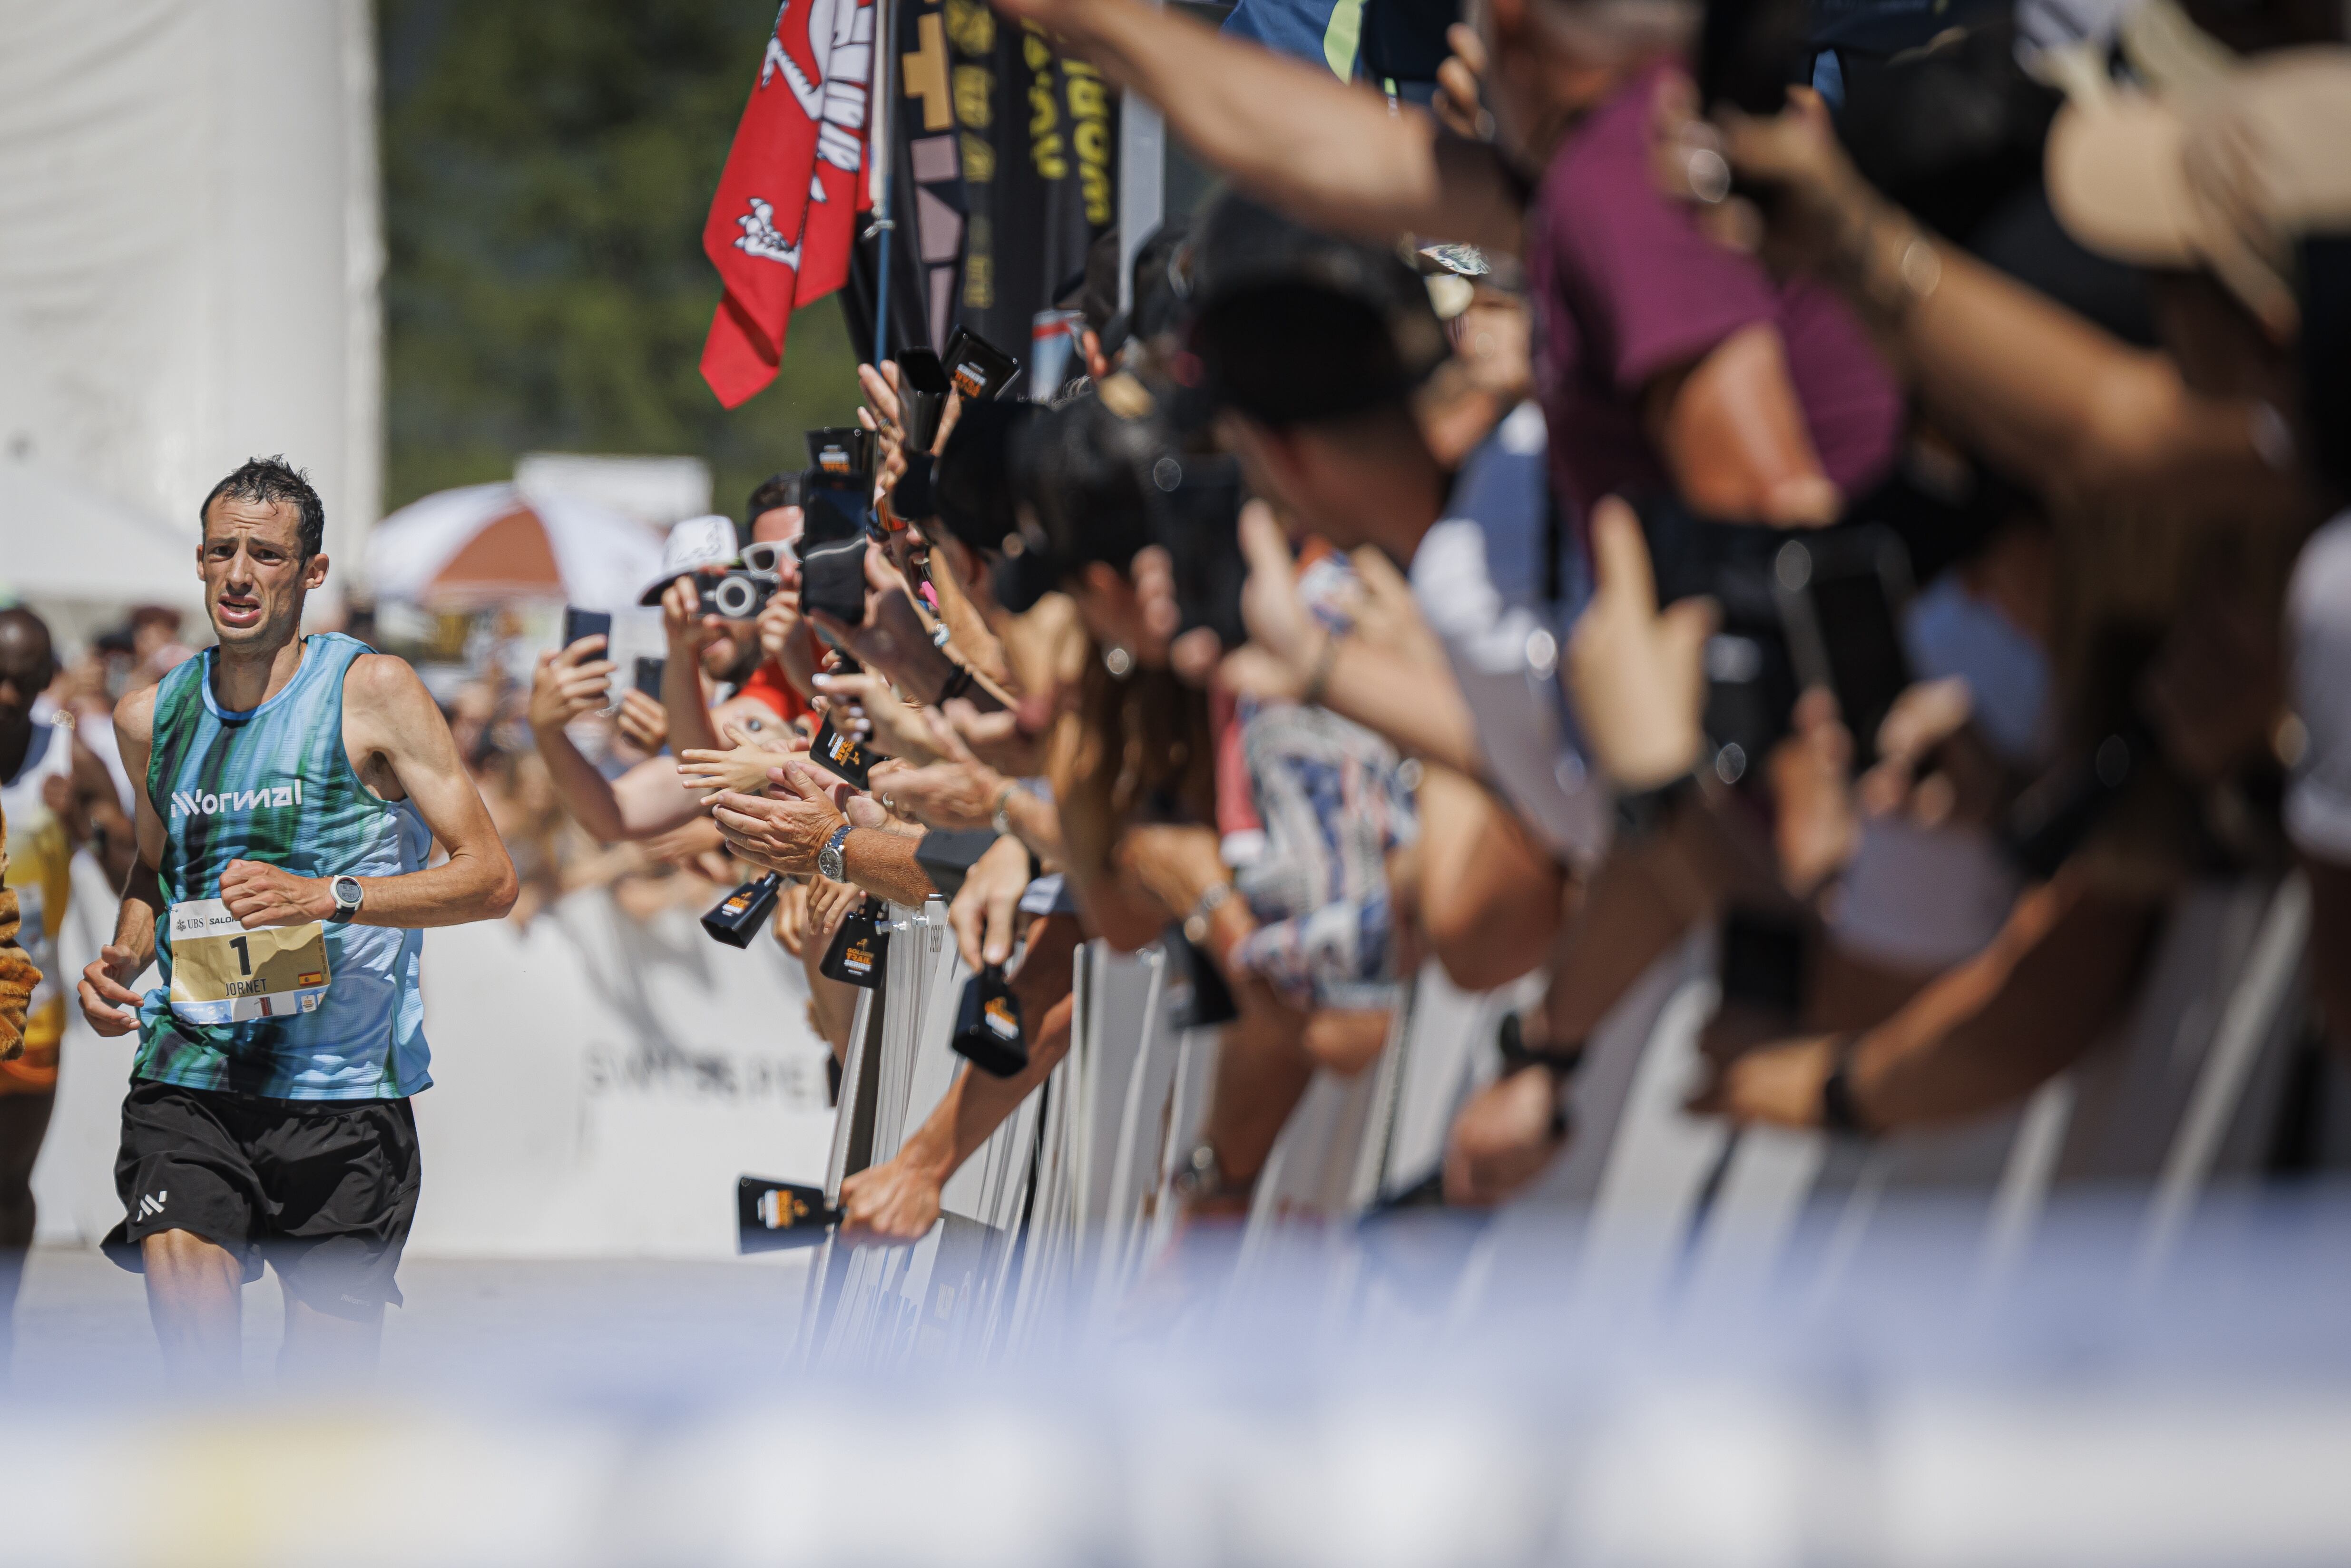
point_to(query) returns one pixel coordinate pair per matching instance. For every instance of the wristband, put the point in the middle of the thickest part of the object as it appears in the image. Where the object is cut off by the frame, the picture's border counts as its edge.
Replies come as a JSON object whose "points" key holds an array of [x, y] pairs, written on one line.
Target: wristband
{"points": [[1839, 1114], [955, 685], [1644, 812]]}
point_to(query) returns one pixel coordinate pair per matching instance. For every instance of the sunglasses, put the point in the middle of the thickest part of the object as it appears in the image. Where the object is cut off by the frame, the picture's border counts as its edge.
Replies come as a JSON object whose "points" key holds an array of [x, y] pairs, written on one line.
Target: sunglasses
{"points": [[770, 556]]}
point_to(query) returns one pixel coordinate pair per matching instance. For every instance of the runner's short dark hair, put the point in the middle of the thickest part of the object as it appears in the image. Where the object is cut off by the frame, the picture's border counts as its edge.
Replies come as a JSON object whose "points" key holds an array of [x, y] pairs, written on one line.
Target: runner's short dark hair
{"points": [[267, 481]]}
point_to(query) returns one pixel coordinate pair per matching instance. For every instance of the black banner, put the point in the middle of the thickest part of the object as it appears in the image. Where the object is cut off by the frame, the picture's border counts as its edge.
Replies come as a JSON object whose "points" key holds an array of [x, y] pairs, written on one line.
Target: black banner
{"points": [[1005, 172]]}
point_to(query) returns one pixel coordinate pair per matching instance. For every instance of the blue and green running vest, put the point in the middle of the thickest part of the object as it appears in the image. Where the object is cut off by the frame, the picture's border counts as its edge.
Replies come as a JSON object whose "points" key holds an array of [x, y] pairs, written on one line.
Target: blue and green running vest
{"points": [[274, 785]]}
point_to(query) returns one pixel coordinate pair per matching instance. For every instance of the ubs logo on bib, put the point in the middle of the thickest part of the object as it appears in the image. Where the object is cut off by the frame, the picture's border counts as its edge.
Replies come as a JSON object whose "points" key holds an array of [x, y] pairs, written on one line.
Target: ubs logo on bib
{"points": [[206, 803]]}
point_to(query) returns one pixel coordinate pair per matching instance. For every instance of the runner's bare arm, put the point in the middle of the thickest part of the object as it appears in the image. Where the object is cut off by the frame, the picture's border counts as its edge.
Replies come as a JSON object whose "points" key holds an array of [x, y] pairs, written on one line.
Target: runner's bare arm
{"points": [[1290, 132], [391, 725], [108, 1002]]}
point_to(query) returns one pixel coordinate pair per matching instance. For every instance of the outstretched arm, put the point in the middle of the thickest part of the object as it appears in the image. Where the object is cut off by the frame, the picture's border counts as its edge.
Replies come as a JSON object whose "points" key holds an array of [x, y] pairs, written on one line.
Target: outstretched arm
{"points": [[401, 748], [1982, 1035], [1291, 132], [108, 1002]]}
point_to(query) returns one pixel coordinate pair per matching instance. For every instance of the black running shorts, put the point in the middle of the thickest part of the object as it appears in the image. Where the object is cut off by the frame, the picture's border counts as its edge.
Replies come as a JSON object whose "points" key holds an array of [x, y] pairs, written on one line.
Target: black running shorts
{"points": [[323, 1189]]}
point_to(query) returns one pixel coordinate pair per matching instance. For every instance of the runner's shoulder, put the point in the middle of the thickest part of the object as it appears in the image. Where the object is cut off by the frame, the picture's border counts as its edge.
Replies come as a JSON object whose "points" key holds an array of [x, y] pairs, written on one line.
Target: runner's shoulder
{"points": [[134, 718], [382, 683]]}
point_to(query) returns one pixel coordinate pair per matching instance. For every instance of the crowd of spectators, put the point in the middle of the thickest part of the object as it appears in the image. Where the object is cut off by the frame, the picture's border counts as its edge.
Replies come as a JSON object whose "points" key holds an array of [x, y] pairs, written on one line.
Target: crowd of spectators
{"points": [[1405, 576]]}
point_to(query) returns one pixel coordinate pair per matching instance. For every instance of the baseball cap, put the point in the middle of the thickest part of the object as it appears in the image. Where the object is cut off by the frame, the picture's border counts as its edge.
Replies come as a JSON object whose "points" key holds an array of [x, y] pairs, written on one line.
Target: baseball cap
{"points": [[2227, 170], [697, 544], [1294, 324]]}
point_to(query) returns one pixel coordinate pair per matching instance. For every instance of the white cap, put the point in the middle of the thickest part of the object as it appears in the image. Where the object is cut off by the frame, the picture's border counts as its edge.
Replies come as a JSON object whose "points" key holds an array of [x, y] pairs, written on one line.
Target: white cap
{"points": [[696, 544]]}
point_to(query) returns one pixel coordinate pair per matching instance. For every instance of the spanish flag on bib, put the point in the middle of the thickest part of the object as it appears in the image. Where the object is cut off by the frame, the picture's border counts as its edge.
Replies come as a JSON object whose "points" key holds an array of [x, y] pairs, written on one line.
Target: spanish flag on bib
{"points": [[785, 216]]}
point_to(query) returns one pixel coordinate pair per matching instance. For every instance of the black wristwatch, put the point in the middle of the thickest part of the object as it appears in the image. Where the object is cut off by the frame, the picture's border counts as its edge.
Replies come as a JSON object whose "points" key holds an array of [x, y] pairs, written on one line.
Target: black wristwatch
{"points": [[1510, 1040], [1645, 813], [1839, 1114]]}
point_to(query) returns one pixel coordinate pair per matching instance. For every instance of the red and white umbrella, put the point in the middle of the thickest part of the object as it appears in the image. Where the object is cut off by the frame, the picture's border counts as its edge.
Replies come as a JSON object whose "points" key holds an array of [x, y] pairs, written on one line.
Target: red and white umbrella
{"points": [[491, 544]]}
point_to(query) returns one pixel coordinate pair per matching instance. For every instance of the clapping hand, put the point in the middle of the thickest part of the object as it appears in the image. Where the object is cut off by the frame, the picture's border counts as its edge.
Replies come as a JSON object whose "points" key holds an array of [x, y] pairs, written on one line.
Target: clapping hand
{"points": [[743, 769]]}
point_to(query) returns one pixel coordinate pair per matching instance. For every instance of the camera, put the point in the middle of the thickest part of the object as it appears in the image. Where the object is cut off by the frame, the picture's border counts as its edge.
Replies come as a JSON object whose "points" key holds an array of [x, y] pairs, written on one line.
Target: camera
{"points": [[739, 595]]}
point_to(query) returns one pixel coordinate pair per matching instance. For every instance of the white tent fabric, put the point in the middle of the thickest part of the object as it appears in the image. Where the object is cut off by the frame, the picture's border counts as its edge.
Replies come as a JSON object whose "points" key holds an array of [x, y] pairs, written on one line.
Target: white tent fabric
{"points": [[58, 539], [189, 249], [606, 559]]}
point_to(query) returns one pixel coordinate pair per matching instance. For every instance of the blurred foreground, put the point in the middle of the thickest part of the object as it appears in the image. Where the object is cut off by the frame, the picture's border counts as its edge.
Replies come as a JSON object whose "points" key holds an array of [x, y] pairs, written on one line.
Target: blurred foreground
{"points": [[1891, 1412]]}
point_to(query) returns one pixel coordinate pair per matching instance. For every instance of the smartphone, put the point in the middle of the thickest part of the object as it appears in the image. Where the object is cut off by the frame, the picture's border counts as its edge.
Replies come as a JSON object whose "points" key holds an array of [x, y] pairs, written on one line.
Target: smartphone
{"points": [[843, 756], [841, 452], [1199, 525], [648, 676], [923, 388], [977, 368], [1751, 681], [1840, 594], [578, 623], [771, 1216]]}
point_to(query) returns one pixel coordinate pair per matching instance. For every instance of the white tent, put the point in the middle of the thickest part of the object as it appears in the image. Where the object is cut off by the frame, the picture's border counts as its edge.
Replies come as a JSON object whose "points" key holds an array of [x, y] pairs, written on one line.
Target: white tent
{"points": [[485, 544], [59, 540]]}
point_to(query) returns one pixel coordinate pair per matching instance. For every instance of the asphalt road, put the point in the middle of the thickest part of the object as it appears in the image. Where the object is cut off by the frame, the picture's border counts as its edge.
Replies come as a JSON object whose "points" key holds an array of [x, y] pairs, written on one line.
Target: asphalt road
{"points": [[81, 1323]]}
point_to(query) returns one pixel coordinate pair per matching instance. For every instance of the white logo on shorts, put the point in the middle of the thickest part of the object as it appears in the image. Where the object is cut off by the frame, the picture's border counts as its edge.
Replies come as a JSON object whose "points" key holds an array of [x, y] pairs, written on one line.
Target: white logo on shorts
{"points": [[152, 1204]]}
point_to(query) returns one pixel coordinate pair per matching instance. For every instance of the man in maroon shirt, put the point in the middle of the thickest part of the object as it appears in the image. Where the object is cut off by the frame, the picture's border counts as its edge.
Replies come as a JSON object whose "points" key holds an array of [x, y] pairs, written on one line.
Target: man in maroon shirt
{"points": [[1665, 357]]}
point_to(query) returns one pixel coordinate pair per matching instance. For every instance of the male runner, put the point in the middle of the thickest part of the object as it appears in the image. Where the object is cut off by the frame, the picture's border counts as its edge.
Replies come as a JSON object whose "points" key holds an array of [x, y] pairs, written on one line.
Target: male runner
{"points": [[287, 787], [57, 795]]}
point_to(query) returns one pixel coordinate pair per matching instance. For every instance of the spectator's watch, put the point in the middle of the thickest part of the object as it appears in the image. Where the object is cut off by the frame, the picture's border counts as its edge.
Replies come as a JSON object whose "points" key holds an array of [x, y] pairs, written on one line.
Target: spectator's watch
{"points": [[829, 863], [1839, 1114], [348, 894], [1201, 1176], [1640, 815]]}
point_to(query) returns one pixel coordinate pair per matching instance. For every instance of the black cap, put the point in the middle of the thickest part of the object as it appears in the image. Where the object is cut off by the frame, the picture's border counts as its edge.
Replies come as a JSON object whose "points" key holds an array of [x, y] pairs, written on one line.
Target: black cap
{"points": [[1294, 325]]}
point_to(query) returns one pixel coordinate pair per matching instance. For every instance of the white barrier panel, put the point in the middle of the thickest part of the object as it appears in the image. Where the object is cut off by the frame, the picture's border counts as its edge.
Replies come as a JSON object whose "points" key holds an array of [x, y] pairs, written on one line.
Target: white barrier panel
{"points": [[599, 1086]]}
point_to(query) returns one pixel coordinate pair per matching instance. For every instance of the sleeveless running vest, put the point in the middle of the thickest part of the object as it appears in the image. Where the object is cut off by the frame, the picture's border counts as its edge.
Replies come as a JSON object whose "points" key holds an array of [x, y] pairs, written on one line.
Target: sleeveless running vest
{"points": [[315, 1011]]}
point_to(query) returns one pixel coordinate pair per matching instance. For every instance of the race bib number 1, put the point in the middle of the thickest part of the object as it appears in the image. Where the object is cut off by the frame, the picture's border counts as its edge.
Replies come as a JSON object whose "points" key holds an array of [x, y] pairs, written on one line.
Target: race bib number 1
{"points": [[223, 973]]}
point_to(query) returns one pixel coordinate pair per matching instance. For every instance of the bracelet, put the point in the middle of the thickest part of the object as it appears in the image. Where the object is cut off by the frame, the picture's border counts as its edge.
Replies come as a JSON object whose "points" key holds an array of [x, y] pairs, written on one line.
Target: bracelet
{"points": [[996, 816], [1195, 924], [1320, 676], [955, 685], [1839, 1114]]}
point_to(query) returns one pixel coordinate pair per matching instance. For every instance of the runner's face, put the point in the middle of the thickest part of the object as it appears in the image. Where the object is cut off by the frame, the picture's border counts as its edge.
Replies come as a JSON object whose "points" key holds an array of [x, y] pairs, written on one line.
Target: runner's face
{"points": [[254, 576]]}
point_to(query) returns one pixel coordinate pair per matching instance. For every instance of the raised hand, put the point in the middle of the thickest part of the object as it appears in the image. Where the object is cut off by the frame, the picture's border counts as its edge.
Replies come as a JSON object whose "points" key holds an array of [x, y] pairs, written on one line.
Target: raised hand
{"points": [[643, 720], [570, 682], [743, 769], [1638, 678]]}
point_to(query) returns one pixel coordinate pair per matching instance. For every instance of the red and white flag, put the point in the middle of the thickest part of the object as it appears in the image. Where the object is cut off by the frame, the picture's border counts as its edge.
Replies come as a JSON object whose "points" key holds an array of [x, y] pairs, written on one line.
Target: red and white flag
{"points": [[781, 225]]}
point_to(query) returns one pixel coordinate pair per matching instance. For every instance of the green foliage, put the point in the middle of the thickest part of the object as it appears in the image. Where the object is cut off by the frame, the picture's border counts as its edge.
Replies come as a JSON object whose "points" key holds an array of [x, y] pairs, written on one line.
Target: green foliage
{"points": [[547, 168]]}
